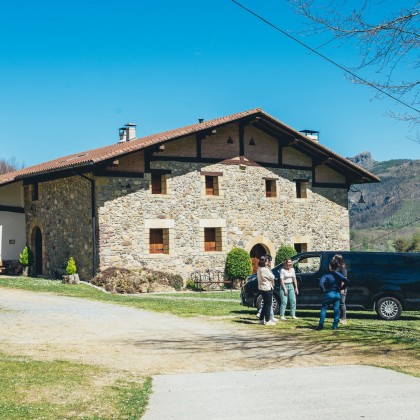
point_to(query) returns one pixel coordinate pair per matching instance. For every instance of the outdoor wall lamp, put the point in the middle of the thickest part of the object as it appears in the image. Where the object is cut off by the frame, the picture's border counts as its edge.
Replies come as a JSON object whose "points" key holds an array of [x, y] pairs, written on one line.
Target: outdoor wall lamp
{"points": [[361, 199]]}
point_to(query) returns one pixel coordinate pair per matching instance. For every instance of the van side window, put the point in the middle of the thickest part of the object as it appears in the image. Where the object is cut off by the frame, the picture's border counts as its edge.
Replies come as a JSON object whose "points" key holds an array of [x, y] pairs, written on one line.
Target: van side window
{"points": [[308, 264]]}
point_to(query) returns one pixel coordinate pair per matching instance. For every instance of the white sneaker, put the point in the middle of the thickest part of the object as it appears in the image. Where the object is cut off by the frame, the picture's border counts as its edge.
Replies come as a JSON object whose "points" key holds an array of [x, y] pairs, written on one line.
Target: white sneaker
{"points": [[343, 321], [273, 320], [261, 322], [257, 315], [295, 317], [270, 323], [283, 318]]}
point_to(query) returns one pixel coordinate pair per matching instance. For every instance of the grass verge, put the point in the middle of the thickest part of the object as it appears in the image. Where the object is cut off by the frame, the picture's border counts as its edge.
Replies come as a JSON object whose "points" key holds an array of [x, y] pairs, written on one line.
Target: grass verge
{"points": [[31, 389]]}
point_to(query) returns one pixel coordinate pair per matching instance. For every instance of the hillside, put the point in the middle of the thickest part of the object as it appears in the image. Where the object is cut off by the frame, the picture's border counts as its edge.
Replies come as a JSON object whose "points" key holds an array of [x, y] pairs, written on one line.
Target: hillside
{"points": [[390, 204]]}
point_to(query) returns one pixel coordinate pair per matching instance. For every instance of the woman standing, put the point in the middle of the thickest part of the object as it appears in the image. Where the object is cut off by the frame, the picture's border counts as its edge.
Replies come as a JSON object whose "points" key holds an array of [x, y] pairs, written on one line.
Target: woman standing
{"points": [[343, 270], [288, 289], [265, 286], [331, 285]]}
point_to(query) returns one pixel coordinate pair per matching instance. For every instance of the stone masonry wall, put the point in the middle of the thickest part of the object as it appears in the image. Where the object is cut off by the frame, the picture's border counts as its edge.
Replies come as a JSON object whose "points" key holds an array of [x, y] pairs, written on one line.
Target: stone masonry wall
{"points": [[63, 214], [126, 209]]}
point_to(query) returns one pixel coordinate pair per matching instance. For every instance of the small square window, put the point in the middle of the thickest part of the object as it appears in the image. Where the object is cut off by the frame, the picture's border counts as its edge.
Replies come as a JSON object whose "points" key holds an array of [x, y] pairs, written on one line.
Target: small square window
{"points": [[158, 183], [270, 188], [300, 248], [212, 185], [212, 239], [159, 241], [301, 189]]}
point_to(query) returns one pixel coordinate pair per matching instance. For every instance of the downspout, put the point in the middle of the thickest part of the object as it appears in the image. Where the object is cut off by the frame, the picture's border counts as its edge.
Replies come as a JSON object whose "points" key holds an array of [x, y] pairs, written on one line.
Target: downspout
{"points": [[93, 206]]}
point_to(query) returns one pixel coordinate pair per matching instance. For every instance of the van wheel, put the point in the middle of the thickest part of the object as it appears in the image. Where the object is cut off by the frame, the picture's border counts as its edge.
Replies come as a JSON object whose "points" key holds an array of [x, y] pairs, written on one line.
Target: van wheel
{"points": [[260, 301], [388, 308]]}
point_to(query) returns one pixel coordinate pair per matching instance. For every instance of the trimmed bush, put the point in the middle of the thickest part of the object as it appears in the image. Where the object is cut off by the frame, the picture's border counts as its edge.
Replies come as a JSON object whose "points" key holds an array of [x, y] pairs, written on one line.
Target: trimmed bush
{"points": [[71, 267], [283, 253], [26, 258], [238, 264], [137, 280]]}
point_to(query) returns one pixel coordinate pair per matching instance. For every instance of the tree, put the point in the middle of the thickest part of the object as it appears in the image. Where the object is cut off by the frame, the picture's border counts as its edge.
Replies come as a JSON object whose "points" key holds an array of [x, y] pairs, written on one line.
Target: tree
{"points": [[283, 253], [238, 264], [9, 165], [387, 44], [401, 245]]}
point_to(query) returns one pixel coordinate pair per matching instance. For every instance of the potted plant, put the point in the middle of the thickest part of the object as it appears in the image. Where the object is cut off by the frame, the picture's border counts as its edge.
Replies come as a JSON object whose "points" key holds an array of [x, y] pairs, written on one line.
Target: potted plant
{"points": [[71, 275], [26, 259]]}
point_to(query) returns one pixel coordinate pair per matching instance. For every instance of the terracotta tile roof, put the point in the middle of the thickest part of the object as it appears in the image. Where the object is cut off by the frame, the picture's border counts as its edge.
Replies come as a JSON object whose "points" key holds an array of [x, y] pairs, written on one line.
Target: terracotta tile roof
{"points": [[90, 157]]}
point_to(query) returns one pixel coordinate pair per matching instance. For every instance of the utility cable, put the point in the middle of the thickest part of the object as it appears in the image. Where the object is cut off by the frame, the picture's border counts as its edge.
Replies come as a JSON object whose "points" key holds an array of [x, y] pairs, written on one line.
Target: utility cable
{"points": [[389, 233], [323, 56]]}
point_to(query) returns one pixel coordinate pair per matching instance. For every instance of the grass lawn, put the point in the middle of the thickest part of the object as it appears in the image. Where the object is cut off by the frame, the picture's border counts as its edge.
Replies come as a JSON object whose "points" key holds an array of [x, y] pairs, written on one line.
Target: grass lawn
{"points": [[31, 389], [66, 390]]}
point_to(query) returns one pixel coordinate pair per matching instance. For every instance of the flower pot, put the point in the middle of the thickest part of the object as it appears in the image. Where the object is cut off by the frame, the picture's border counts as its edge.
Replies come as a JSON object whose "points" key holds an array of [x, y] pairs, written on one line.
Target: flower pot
{"points": [[71, 279]]}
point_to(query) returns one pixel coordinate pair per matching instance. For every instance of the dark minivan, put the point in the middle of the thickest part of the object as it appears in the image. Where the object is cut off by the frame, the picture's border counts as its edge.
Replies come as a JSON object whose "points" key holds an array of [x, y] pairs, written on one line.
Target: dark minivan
{"points": [[387, 282]]}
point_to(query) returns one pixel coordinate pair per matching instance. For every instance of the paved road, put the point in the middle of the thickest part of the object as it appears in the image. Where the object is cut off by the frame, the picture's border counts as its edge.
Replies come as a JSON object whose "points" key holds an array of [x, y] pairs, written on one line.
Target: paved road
{"points": [[336, 392]]}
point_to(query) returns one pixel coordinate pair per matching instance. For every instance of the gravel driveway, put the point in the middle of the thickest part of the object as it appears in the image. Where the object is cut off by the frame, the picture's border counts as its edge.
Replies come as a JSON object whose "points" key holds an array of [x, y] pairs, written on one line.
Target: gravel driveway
{"points": [[51, 327]]}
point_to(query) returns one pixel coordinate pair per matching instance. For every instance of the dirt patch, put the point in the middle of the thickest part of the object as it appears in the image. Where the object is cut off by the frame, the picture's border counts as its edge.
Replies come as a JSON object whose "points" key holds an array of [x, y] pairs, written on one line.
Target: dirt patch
{"points": [[50, 327]]}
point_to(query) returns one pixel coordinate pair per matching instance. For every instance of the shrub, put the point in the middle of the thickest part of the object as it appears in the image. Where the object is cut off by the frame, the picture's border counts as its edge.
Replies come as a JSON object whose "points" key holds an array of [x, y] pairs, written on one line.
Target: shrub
{"points": [[71, 267], [283, 253], [238, 264], [26, 258], [136, 280]]}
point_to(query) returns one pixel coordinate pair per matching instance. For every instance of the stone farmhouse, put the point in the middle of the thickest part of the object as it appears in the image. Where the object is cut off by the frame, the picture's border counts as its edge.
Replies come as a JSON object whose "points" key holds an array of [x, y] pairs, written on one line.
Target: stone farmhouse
{"points": [[179, 200]]}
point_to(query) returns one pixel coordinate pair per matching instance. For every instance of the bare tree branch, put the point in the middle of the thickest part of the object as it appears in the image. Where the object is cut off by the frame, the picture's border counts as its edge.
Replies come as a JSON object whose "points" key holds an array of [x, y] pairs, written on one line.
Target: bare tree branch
{"points": [[387, 45], [10, 165]]}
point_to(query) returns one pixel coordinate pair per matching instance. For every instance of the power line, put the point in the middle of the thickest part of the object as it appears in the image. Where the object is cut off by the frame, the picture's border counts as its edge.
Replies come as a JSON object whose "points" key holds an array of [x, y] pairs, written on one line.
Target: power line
{"points": [[323, 56], [389, 233]]}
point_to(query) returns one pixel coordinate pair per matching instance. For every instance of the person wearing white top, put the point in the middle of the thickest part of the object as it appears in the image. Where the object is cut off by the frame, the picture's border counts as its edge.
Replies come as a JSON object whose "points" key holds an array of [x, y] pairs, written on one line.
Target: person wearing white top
{"points": [[288, 289], [265, 286]]}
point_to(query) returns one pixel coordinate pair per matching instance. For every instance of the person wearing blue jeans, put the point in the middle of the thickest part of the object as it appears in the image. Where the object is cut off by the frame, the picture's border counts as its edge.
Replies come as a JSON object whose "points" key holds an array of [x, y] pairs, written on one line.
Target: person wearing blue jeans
{"points": [[331, 284], [288, 289]]}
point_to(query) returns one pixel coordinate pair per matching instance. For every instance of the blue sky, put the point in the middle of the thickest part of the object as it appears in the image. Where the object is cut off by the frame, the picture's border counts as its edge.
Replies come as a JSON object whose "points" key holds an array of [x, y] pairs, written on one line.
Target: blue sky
{"points": [[73, 72]]}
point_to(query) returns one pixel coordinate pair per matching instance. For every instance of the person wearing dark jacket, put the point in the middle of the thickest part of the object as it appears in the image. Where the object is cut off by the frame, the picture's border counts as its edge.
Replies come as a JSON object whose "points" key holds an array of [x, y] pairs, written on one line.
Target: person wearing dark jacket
{"points": [[331, 284]]}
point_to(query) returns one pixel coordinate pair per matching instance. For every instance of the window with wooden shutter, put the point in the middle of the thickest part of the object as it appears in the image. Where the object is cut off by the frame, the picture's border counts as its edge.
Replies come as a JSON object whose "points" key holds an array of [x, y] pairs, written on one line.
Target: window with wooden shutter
{"points": [[158, 183], [156, 245], [301, 189], [270, 188], [212, 239], [212, 185]]}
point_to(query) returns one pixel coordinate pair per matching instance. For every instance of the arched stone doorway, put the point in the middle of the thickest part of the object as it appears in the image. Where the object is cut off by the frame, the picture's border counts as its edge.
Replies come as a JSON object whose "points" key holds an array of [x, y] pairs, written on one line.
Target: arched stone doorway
{"points": [[37, 249], [256, 253]]}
